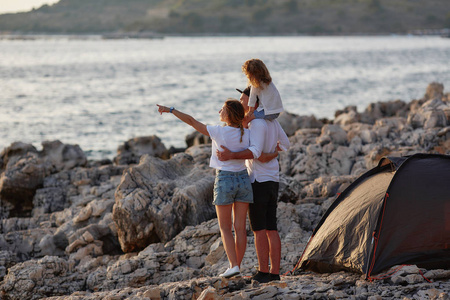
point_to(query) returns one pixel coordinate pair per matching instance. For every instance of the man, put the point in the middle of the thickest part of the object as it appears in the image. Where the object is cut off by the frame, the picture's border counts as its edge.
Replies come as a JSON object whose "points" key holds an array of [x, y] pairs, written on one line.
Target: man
{"points": [[268, 137]]}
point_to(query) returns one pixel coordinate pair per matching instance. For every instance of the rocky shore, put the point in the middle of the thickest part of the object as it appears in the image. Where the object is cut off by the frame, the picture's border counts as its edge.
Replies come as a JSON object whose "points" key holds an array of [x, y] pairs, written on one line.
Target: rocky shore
{"points": [[142, 226]]}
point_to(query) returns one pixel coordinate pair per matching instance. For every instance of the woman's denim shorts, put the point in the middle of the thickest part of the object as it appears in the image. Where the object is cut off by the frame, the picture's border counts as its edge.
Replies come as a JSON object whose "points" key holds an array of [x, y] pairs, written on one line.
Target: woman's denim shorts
{"points": [[232, 186]]}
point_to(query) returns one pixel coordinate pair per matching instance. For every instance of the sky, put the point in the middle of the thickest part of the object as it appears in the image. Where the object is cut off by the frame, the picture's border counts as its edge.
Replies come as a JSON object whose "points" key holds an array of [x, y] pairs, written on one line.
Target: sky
{"points": [[13, 6]]}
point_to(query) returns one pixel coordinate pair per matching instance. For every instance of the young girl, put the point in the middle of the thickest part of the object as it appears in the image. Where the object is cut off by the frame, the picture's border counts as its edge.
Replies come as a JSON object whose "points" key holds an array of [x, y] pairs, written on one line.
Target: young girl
{"points": [[232, 187], [262, 88]]}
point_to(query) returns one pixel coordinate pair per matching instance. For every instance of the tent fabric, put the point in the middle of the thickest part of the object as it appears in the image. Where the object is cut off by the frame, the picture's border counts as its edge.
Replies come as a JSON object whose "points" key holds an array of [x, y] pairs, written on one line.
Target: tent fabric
{"points": [[396, 213], [414, 228]]}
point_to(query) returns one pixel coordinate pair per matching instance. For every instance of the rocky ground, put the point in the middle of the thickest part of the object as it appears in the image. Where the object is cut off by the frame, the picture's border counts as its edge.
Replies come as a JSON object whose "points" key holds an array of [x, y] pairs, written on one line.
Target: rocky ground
{"points": [[143, 227]]}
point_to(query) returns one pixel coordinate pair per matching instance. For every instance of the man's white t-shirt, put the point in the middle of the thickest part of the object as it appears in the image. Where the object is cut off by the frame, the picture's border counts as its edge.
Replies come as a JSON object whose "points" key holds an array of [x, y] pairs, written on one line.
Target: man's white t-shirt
{"points": [[229, 137], [264, 136]]}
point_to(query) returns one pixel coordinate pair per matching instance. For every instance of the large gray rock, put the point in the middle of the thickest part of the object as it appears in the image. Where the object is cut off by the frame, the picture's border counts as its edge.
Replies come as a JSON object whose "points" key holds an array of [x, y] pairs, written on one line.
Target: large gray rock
{"points": [[379, 110], [36, 279], [131, 151], [431, 114], [157, 199], [48, 200], [372, 113], [332, 134], [328, 186], [7, 260], [68, 187], [434, 90], [18, 183], [292, 122], [196, 138], [347, 118], [72, 215], [14, 152], [25, 170], [63, 156], [201, 155]]}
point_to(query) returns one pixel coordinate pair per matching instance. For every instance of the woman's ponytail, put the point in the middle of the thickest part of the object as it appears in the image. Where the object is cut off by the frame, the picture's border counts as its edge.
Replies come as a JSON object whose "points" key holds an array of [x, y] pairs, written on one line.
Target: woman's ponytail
{"points": [[235, 113], [242, 130]]}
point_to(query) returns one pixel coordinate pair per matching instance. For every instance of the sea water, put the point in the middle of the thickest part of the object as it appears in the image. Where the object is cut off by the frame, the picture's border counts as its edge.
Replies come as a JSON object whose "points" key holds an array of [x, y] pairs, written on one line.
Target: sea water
{"points": [[100, 93]]}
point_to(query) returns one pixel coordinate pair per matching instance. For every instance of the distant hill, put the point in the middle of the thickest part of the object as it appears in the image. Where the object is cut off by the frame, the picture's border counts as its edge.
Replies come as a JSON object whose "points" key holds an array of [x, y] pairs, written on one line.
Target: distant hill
{"points": [[252, 17]]}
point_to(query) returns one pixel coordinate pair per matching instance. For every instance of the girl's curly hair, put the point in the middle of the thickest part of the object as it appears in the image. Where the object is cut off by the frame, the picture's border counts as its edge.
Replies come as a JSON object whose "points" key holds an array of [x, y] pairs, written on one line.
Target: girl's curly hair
{"points": [[256, 72]]}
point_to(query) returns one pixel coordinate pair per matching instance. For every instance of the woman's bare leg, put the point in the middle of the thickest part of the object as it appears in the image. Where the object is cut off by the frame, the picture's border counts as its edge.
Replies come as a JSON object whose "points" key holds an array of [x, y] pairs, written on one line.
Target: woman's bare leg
{"points": [[225, 223], [240, 229]]}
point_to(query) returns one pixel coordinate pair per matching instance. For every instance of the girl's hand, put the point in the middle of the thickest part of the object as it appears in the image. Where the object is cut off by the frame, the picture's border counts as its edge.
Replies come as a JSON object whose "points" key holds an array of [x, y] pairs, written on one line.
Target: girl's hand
{"points": [[278, 147], [162, 109]]}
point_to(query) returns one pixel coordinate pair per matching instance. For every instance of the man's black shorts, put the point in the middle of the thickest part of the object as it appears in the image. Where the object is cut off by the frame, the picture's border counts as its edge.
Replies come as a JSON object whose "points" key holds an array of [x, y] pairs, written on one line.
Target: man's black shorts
{"points": [[263, 211]]}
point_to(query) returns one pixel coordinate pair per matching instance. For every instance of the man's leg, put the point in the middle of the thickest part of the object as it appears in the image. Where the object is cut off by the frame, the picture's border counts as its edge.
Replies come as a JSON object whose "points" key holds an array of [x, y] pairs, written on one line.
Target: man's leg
{"points": [[262, 250], [261, 219], [274, 251]]}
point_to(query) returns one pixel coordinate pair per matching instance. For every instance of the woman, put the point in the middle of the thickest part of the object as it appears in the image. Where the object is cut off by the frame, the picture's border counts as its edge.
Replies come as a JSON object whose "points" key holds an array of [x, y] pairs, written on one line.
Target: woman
{"points": [[232, 187]]}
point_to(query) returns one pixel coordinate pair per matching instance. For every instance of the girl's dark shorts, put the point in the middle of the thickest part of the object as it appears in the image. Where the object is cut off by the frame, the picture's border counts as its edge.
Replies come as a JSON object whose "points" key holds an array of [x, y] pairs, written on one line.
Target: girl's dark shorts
{"points": [[263, 211]]}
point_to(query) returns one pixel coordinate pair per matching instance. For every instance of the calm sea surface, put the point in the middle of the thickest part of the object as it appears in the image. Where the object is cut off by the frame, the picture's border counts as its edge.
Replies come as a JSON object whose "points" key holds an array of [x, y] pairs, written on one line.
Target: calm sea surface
{"points": [[99, 93]]}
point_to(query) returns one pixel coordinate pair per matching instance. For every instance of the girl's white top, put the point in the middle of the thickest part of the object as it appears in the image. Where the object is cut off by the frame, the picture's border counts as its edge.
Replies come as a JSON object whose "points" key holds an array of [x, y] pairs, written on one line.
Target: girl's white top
{"points": [[269, 99], [229, 137]]}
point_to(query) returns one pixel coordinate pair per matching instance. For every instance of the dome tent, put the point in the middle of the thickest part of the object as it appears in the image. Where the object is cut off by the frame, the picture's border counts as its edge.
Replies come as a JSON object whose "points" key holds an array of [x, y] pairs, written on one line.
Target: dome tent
{"points": [[397, 213]]}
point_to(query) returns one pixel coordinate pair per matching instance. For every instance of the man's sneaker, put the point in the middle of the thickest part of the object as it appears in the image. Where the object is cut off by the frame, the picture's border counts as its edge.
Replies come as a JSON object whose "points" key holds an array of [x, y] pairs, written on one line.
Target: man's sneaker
{"points": [[261, 277], [274, 277], [231, 272]]}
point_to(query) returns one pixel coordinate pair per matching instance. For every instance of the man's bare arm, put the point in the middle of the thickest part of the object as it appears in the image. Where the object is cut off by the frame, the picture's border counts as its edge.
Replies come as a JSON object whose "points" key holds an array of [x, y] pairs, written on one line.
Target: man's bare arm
{"points": [[266, 157], [226, 154]]}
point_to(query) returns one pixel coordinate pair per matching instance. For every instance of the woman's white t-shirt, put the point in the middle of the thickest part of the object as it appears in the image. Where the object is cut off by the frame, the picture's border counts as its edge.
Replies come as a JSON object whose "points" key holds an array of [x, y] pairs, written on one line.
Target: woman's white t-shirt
{"points": [[229, 137]]}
